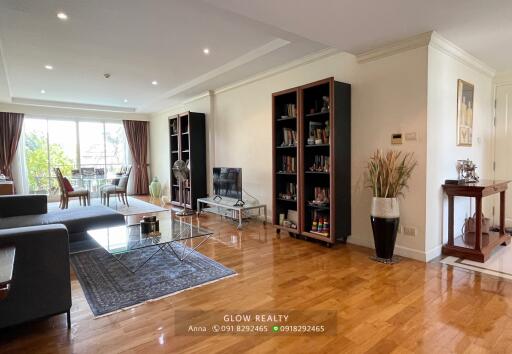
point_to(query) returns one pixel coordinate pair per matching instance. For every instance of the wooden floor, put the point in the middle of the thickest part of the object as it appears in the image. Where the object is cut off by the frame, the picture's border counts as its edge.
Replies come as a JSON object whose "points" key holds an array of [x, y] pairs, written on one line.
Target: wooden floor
{"points": [[407, 307]]}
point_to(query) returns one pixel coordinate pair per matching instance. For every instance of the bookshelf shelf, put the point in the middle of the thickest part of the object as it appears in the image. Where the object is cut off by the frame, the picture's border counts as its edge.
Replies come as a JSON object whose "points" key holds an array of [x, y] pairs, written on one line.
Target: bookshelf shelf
{"points": [[316, 114], [287, 200], [329, 222], [316, 145], [188, 143], [286, 119]]}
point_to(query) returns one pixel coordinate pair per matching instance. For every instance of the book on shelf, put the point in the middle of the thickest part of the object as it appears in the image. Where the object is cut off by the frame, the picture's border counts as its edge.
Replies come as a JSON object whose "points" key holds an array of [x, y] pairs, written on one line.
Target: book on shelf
{"points": [[289, 137], [290, 110], [290, 192], [288, 164], [321, 164]]}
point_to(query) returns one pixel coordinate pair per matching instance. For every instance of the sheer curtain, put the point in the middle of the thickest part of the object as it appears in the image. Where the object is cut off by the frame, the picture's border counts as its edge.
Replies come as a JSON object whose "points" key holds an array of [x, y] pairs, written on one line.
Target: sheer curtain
{"points": [[19, 167]]}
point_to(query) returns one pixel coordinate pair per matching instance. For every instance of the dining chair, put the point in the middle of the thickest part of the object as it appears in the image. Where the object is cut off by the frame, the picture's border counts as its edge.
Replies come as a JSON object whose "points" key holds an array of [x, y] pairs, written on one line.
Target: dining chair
{"points": [[120, 189], [67, 191]]}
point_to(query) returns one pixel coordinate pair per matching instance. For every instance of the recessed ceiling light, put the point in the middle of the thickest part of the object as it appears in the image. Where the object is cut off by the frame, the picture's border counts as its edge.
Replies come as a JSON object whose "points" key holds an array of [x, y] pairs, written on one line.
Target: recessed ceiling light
{"points": [[206, 51], [62, 16], [48, 67], [125, 100], [43, 92], [154, 82]]}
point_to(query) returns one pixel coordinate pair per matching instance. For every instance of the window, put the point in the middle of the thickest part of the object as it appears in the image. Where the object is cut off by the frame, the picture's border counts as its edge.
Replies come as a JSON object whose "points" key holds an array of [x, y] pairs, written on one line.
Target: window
{"points": [[68, 145]]}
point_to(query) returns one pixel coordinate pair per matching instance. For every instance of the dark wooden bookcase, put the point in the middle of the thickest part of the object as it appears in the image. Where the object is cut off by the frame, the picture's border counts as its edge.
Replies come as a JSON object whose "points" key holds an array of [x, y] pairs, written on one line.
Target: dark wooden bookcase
{"points": [[188, 143], [322, 160]]}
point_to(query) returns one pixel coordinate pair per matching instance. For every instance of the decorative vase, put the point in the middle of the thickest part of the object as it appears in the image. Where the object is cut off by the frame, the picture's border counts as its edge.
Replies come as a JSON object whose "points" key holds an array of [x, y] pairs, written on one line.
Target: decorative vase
{"points": [[385, 217], [155, 188]]}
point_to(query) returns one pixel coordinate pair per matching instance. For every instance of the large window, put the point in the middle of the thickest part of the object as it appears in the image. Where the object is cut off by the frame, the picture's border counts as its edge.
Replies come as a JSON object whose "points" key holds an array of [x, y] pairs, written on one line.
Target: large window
{"points": [[70, 144]]}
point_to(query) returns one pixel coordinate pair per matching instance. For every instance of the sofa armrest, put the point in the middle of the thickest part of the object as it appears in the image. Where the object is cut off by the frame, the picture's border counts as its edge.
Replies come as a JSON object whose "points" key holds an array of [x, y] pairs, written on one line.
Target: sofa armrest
{"points": [[41, 283], [18, 205]]}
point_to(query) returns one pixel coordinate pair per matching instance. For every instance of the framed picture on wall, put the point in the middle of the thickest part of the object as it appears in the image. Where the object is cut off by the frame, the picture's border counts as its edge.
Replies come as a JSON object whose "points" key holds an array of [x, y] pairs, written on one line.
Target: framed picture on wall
{"points": [[465, 96]]}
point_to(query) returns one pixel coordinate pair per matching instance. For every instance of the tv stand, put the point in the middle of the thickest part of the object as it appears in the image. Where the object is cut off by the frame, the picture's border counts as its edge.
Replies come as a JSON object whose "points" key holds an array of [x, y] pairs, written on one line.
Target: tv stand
{"points": [[235, 210]]}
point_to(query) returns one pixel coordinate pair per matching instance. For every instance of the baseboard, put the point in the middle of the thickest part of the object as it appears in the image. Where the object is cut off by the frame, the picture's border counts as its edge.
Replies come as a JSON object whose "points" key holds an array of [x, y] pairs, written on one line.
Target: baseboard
{"points": [[434, 253], [399, 250]]}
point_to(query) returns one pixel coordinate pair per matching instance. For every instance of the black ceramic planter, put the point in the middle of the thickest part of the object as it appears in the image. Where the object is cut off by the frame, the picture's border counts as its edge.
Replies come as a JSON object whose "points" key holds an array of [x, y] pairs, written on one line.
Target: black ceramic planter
{"points": [[384, 236]]}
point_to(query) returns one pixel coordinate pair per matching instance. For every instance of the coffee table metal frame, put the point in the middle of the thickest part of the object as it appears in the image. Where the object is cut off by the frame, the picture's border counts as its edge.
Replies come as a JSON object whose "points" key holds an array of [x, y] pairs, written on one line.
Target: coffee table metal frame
{"points": [[168, 246]]}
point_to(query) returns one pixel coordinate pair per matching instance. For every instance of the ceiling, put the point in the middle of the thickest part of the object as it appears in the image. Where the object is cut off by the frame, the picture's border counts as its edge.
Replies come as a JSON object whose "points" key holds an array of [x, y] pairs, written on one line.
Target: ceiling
{"points": [[141, 41], [136, 42], [481, 27]]}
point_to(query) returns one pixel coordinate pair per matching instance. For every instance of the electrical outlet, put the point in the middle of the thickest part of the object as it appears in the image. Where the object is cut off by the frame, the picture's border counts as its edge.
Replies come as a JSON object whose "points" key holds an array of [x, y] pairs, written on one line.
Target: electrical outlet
{"points": [[409, 231]]}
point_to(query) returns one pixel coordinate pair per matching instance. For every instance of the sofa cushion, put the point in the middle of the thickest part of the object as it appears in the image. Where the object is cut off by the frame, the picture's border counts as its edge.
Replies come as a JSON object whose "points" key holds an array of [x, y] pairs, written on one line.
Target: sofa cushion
{"points": [[83, 219], [77, 220], [67, 185]]}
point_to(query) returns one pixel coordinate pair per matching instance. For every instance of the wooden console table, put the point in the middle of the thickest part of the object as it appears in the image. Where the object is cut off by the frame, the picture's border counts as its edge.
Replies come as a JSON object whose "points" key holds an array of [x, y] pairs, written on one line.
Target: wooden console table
{"points": [[476, 246]]}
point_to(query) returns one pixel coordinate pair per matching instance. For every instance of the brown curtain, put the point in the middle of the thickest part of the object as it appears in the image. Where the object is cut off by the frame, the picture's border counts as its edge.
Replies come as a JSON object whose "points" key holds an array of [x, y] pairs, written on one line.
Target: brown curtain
{"points": [[137, 136], [10, 132]]}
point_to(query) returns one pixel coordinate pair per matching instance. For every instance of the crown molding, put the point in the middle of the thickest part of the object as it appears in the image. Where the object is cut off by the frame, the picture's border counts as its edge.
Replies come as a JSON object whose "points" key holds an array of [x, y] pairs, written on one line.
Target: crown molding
{"points": [[71, 105], [418, 41], [445, 46]]}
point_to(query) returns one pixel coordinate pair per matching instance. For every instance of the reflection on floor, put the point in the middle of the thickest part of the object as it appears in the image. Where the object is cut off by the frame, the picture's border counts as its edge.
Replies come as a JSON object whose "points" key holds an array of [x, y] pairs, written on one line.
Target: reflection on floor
{"points": [[499, 264]]}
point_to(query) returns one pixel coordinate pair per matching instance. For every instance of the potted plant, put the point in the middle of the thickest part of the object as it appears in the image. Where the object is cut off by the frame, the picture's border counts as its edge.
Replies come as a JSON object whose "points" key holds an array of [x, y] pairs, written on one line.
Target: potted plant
{"points": [[387, 177]]}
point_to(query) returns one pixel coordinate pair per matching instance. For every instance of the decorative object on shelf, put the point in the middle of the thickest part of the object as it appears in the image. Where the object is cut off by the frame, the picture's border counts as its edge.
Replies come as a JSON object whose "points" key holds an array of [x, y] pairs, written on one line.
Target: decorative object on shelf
{"points": [[387, 177], [290, 193], [155, 188], [321, 164], [318, 133], [325, 107], [466, 171], [465, 96], [2, 177], [174, 127], [181, 171], [321, 197]]}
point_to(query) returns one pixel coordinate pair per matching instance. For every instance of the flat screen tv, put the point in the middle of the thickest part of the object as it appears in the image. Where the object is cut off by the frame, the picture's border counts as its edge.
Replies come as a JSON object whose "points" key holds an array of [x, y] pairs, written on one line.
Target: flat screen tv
{"points": [[227, 182]]}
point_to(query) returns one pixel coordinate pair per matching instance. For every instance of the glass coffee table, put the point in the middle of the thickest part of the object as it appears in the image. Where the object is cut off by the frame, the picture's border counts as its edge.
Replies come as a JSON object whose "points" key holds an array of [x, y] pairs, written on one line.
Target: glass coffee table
{"points": [[175, 235]]}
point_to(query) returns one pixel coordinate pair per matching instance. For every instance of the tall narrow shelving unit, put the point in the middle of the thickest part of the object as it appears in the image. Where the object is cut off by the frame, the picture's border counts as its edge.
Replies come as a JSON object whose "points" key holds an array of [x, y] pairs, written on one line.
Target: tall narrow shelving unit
{"points": [[188, 143], [285, 162], [323, 160]]}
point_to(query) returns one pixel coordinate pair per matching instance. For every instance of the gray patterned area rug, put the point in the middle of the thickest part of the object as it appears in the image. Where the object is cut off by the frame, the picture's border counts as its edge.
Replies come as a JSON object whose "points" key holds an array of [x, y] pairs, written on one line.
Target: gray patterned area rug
{"points": [[110, 287]]}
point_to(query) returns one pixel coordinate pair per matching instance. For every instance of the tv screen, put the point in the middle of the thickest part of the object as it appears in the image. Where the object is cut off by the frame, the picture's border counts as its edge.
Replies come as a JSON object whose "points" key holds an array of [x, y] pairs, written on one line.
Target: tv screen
{"points": [[227, 182]]}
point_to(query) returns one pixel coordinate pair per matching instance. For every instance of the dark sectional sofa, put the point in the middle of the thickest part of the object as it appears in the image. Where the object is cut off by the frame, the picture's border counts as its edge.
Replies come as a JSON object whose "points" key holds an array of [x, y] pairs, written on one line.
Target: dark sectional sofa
{"points": [[41, 284]]}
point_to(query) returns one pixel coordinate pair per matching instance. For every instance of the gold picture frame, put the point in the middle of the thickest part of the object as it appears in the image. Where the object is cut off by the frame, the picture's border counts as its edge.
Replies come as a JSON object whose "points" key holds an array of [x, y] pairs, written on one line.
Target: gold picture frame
{"points": [[465, 108]]}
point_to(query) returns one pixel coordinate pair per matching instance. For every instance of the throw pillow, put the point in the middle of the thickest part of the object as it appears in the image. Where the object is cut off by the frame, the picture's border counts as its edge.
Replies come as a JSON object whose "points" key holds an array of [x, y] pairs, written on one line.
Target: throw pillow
{"points": [[67, 185]]}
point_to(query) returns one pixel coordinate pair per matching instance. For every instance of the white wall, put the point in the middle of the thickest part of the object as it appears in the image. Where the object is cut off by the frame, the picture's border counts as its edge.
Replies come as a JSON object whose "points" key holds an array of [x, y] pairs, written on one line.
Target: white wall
{"points": [[442, 153], [390, 97]]}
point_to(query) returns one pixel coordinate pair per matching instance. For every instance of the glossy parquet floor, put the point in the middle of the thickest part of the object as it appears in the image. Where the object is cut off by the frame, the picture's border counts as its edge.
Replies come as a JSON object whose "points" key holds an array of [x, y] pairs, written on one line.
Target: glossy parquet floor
{"points": [[407, 307]]}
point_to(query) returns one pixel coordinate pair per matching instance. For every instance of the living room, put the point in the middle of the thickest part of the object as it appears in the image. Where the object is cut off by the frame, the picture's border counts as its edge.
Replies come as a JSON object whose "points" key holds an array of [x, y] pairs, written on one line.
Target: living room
{"points": [[227, 178]]}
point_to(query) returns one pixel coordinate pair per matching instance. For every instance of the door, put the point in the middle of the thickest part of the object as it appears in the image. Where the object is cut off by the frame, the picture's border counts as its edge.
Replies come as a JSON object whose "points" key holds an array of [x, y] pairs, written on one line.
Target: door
{"points": [[503, 146]]}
